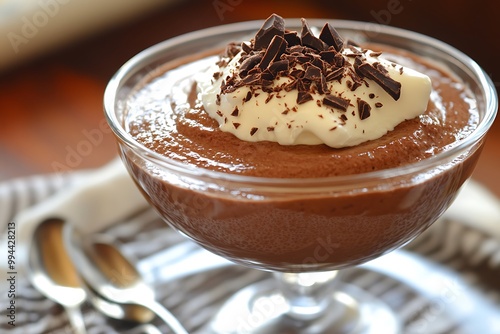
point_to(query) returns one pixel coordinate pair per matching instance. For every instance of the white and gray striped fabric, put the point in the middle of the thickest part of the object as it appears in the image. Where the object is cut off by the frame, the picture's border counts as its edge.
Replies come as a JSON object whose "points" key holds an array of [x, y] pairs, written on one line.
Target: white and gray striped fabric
{"points": [[466, 255]]}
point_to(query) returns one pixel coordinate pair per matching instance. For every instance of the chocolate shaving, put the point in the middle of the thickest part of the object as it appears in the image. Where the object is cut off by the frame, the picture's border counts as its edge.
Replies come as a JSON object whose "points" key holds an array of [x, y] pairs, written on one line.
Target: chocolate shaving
{"points": [[253, 130], [297, 73], [248, 97], [322, 85], [303, 97], [322, 65], [335, 74], [363, 109], [328, 56], [339, 60], [232, 50], [217, 75], [251, 79]]}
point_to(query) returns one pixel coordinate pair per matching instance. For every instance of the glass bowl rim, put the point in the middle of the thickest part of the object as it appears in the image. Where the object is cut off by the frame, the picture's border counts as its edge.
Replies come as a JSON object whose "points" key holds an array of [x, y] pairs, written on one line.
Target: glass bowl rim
{"points": [[485, 83]]}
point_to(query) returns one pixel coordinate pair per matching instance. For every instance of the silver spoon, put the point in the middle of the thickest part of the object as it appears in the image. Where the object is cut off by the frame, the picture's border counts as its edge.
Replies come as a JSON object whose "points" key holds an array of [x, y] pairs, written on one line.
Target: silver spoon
{"points": [[129, 312], [112, 276], [53, 274]]}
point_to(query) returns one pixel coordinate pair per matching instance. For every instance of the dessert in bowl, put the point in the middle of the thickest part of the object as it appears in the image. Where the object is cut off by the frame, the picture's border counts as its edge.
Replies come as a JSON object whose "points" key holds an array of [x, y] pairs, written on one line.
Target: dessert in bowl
{"points": [[301, 149]]}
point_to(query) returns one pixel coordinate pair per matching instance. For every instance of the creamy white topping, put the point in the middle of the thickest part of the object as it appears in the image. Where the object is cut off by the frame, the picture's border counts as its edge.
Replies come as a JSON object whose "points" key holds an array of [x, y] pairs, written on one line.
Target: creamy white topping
{"points": [[277, 117]]}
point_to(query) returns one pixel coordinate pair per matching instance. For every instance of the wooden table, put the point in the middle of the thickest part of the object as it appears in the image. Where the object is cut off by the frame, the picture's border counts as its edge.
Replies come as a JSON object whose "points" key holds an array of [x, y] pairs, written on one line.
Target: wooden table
{"points": [[51, 107]]}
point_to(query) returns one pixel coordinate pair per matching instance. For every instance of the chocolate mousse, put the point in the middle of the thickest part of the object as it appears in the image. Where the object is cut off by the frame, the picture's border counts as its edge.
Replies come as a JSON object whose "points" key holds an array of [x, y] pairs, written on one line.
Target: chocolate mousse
{"points": [[339, 109]]}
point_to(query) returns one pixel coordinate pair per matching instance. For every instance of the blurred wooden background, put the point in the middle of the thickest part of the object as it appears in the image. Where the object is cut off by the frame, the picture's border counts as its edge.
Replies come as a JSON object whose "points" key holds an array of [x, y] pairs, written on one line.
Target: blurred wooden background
{"points": [[51, 107]]}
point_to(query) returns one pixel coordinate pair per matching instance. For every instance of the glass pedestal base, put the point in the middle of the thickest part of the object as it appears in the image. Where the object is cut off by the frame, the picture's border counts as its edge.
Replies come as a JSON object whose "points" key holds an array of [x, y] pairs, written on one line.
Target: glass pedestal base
{"points": [[260, 308]]}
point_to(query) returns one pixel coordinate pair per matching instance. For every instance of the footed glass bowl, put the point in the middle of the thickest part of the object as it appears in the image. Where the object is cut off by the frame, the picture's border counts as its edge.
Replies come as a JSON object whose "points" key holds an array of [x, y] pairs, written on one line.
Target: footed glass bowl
{"points": [[303, 230]]}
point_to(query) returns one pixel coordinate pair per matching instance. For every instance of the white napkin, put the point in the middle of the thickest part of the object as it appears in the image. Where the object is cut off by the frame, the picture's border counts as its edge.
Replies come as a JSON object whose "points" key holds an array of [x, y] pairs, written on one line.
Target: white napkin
{"points": [[477, 207], [94, 201]]}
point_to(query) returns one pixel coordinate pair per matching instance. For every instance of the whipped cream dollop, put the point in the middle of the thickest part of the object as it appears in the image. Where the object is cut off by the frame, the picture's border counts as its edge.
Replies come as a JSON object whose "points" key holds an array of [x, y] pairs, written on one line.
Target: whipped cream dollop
{"points": [[301, 89]]}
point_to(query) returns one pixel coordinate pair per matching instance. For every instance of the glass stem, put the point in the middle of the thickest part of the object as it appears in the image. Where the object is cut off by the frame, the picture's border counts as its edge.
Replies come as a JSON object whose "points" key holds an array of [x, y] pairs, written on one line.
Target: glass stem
{"points": [[308, 295]]}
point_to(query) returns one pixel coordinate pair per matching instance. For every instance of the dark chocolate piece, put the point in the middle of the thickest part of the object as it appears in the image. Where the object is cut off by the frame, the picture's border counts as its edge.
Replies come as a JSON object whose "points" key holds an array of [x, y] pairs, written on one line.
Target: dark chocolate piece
{"points": [[335, 74], [392, 87], [339, 60], [328, 56], [273, 26], [303, 97], [273, 51], [232, 50], [248, 96], [322, 85], [296, 48], [312, 73], [331, 37], [297, 73], [278, 66], [363, 109], [249, 63], [246, 47], [292, 38], [308, 39], [336, 102], [253, 130]]}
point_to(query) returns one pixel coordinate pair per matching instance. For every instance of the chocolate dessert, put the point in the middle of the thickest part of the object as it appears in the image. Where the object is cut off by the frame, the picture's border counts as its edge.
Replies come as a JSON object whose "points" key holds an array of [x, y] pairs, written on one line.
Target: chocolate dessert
{"points": [[291, 113]]}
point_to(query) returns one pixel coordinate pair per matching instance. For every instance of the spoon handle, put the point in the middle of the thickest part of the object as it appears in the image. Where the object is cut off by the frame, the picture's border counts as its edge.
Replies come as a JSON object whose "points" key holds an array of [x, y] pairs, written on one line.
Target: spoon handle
{"points": [[76, 319], [165, 315]]}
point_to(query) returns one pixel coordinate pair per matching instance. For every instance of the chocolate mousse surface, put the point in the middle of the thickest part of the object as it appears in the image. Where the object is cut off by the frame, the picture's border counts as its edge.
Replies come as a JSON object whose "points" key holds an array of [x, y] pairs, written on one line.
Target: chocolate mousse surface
{"points": [[166, 115]]}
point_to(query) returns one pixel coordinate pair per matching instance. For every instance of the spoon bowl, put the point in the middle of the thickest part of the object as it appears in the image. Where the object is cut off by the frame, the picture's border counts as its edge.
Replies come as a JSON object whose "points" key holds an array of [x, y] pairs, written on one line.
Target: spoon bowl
{"points": [[52, 272], [129, 312], [112, 276]]}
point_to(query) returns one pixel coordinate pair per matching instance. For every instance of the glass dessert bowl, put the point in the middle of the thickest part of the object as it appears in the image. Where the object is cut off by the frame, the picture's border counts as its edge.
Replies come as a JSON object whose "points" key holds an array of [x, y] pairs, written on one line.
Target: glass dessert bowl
{"points": [[304, 230]]}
